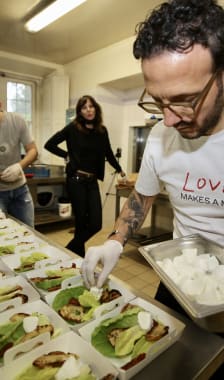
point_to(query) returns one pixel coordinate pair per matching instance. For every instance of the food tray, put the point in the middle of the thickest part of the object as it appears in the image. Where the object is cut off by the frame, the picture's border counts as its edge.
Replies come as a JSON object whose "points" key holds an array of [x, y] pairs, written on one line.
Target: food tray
{"points": [[210, 317], [14, 243], [8, 223], [54, 256], [126, 296], [175, 330], [60, 327], [43, 273], [69, 342], [25, 288], [5, 271]]}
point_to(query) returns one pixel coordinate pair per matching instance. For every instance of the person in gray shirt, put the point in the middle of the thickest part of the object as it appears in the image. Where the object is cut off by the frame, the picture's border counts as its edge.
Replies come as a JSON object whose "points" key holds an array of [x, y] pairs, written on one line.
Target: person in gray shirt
{"points": [[15, 197]]}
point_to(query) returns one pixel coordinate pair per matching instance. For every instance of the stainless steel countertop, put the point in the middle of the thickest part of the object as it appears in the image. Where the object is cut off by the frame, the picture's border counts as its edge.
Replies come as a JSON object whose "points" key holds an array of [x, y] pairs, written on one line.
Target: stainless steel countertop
{"points": [[196, 355]]}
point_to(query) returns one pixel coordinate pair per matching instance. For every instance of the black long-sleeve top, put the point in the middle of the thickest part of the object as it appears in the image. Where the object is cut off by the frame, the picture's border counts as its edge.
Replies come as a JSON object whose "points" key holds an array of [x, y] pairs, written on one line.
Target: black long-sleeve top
{"points": [[86, 150]]}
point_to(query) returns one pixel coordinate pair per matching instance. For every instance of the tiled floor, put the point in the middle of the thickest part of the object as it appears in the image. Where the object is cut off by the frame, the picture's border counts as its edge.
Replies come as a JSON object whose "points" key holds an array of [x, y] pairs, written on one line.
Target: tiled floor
{"points": [[131, 268]]}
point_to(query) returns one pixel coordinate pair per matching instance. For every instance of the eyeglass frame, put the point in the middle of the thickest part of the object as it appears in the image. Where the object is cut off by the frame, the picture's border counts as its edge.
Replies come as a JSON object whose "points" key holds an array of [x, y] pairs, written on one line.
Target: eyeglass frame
{"points": [[193, 104]]}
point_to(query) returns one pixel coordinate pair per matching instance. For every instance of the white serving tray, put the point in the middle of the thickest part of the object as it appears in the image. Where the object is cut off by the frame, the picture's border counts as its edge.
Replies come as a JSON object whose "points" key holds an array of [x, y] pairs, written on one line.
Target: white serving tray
{"points": [[69, 342], [8, 223], [102, 309], [54, 256], [42, 273], [5, 271], [176, 328], [27, 290], [60, 327]]}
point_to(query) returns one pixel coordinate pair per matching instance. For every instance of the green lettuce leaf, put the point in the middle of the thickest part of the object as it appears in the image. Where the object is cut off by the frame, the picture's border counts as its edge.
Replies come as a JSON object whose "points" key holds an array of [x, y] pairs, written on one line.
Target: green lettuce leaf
{"points": [[126, 341], [61, 275], [63, 297], [141, 347], [49, 373], [7, 250], [30, 261], [123, 320]]}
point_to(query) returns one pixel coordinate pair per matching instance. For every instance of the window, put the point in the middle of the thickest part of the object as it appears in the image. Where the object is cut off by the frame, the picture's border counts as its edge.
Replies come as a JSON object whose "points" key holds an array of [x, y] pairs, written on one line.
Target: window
{"points": [[19, 99], [18, 96]]}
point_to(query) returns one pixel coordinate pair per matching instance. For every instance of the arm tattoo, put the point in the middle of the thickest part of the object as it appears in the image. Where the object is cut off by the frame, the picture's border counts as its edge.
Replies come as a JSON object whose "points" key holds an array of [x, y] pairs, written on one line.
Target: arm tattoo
{"points": [[137, 208]]}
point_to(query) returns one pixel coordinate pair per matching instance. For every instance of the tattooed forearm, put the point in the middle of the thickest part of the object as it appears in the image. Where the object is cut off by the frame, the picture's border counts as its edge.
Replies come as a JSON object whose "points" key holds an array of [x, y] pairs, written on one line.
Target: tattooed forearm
{"points": [[134, 213]]}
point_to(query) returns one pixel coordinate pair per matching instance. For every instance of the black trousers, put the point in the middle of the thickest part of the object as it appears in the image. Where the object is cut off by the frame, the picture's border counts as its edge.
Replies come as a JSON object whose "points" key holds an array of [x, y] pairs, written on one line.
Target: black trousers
{"points": [[86, 203]]}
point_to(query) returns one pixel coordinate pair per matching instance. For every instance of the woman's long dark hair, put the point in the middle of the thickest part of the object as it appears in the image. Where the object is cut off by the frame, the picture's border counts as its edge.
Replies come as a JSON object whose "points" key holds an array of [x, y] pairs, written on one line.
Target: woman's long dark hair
{"points": [[80, 122]]}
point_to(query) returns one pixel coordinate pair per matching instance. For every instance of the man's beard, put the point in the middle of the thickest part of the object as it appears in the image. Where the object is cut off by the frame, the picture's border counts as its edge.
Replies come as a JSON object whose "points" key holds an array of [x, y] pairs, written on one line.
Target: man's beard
{"points": [[209, 122]]}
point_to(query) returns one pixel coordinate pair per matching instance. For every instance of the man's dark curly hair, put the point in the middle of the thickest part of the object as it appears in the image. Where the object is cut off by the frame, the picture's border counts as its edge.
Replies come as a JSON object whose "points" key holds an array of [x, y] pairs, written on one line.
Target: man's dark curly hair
{"points": [[177, 25]]}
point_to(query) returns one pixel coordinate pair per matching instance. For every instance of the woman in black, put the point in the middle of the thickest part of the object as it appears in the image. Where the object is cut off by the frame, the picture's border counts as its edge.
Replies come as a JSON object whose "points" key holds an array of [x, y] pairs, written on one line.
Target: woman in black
{"points": [[88, 146]]}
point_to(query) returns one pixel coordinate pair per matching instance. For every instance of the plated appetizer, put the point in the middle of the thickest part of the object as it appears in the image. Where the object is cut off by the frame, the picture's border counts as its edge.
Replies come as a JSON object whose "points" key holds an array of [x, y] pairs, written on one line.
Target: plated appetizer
{"points": [[77, 304], [131, 332], [51, 279]]}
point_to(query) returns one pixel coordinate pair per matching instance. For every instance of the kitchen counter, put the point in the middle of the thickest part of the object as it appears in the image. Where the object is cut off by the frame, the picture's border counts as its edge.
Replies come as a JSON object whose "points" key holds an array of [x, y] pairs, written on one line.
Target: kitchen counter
{"points": [[196, 355]]}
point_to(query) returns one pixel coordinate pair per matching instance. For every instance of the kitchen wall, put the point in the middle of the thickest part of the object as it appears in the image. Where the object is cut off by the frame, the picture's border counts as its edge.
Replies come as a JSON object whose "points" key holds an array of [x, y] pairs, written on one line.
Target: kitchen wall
{"points": [[110, 75]]}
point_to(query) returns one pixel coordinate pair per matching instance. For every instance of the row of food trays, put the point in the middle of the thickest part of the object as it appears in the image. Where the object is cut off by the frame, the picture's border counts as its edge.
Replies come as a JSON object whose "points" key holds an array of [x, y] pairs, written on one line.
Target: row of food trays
{"points": [[53, 327]]}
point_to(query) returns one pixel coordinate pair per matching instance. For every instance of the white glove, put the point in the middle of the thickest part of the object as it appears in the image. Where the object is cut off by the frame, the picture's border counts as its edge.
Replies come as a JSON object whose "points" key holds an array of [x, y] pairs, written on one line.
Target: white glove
{"points": [[107, 254], [12, 173]]}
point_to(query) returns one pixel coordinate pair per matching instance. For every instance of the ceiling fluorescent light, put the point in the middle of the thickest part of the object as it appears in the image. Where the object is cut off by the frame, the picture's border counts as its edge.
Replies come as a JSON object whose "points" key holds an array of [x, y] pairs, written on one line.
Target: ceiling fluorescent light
{"points": [[51, 13]]}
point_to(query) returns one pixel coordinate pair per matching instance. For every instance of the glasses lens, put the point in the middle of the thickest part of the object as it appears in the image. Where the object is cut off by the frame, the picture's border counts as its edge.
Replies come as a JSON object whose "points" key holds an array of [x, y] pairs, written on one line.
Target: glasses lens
{"points": [[182, 110], [151, 108]]}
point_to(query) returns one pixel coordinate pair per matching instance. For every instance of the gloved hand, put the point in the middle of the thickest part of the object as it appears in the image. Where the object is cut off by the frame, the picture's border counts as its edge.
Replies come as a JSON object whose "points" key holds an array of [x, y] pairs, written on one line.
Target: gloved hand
{"points": [[108, 255], [12, 173]]}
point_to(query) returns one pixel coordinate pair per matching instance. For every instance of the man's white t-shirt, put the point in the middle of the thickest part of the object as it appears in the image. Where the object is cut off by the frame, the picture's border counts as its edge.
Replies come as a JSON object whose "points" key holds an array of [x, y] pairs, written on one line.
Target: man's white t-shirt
{"points": [[192, 172]]}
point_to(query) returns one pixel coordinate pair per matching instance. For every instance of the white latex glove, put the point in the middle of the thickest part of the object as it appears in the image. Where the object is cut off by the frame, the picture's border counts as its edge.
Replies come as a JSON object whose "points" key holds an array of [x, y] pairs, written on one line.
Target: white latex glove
{"points": [[12, 173], [108, 255]]}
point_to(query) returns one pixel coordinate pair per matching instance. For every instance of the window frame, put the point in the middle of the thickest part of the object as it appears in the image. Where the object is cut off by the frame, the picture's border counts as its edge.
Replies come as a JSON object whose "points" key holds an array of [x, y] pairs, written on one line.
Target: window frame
{"points": [[3, 96]]}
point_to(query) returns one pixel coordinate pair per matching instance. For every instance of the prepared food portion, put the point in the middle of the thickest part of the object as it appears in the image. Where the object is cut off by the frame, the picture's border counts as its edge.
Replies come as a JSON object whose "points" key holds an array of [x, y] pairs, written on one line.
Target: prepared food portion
{"points": [[132, 335], [199, 276], [131, 332], [28, 262], [51, 279], [77, 304], [67, 357], [11, 292], [22, 327], [58, 365], [15, 291]]}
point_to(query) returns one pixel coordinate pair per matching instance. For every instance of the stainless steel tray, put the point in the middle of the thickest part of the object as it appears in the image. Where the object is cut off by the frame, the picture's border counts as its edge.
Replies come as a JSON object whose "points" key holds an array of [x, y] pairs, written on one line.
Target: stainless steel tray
{"points": [[210, 317]]}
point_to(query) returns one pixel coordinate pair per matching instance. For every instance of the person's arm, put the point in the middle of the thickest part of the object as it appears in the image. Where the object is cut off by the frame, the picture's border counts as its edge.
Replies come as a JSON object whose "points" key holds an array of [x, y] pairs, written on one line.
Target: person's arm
{"points": [[111, 157], [129, 221], [13, 172], [30, 156], [52, 144], [132, 216]]}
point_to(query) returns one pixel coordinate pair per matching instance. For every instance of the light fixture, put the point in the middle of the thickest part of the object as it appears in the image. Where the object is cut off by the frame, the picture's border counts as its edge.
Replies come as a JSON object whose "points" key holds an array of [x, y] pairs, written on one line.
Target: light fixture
{"points": [[51, 13]]}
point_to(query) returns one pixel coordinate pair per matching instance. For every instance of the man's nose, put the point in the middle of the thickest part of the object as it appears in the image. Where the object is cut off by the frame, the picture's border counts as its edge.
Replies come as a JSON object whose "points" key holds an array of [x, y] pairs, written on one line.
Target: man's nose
{"points": [[170, 117]]}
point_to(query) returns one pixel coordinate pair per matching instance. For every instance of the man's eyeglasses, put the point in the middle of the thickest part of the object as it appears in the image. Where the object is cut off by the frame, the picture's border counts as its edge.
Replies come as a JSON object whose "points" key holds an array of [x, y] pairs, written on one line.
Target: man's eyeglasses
{"points": [[180, 108]]}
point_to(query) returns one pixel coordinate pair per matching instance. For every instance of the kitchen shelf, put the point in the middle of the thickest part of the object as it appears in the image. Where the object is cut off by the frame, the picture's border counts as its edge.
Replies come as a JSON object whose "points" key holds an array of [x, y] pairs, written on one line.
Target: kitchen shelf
{"points": [[49, 216]]}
